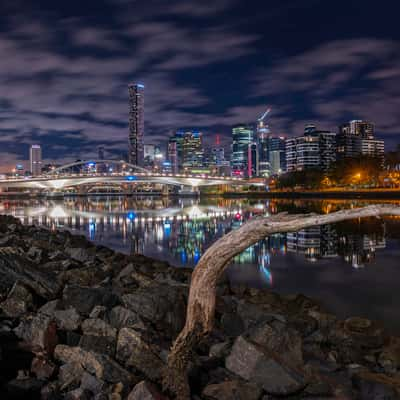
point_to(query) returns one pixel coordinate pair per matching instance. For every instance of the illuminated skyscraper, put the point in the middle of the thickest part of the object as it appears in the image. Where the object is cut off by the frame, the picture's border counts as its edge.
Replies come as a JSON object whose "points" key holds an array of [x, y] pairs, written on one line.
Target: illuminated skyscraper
{"points": [[357, 138], [136, 124], [316, 149], [35, 159], [192, 150], [242, 139], [173, 156]]}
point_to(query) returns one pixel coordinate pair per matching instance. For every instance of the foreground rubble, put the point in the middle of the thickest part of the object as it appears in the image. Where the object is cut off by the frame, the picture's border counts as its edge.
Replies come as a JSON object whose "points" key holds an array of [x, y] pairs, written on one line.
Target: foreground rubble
{"points": [[79, 321]]}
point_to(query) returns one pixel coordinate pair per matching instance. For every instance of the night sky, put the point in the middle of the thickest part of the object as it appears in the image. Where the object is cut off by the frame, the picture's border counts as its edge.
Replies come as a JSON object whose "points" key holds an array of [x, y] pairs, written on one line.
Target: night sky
{"points": [[209, 64]]}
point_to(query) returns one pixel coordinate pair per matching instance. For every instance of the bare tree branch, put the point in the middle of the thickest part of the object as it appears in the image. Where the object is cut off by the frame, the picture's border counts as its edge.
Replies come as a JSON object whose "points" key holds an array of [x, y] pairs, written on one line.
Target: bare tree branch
{"points": [[202, 295]]}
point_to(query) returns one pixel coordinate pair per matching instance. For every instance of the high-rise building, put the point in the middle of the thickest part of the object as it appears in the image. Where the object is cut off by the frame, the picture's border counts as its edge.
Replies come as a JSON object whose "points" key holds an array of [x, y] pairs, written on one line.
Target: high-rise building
{"points": [[148, 154], [173, 156], [242, 138], [100, 152], [185, 150], [136, 124], [357, 138], [35, 159], [263, 136], [252, 160], [315, 149], [192, 150]]}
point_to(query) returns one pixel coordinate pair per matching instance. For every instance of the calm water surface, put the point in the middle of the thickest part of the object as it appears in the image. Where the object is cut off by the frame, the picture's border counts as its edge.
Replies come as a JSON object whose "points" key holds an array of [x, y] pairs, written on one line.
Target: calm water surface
{"points": [[352, 267]]}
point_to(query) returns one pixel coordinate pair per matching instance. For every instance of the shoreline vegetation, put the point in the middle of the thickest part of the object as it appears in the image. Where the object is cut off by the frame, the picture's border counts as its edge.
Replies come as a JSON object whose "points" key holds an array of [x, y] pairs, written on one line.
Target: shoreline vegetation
{"points": [[81, 321]]}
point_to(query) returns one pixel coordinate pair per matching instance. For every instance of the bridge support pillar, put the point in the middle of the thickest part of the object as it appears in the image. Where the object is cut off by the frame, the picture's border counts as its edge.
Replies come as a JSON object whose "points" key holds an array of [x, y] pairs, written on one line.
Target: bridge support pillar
{"points": [[165, 190]]}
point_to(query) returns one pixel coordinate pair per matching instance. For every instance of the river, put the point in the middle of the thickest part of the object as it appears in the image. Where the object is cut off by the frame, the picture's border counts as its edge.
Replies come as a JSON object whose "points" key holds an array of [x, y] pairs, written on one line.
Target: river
{"points": [[351, 267]]}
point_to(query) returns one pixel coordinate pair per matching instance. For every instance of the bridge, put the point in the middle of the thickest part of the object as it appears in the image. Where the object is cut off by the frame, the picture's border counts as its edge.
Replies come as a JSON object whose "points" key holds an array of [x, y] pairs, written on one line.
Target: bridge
{"points": [[99, 172]]}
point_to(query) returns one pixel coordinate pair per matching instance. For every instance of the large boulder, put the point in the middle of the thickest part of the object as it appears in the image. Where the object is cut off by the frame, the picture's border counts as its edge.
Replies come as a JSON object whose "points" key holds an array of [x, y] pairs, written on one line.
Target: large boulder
{"points": [[120, 317], [98, 336], [80, 254], [19, 301], [232, 390], [135, 352], [253, 363], [16, 266], [66, 319], [276, 337], [164, 305], [39, 332], [373, 386], [145, 391], [84, 298], [99, 365]]}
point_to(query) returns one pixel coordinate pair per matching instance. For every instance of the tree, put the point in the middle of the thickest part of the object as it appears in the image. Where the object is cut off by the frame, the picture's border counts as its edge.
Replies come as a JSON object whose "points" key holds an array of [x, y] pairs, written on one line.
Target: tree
{"points": [[363, 170], [308, 179], [202, 294]]}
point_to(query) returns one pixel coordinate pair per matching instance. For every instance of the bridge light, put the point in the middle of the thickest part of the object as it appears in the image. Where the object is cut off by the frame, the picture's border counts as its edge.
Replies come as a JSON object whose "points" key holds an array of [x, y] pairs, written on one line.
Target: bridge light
{"points": [[131, 216], [131, 178]]}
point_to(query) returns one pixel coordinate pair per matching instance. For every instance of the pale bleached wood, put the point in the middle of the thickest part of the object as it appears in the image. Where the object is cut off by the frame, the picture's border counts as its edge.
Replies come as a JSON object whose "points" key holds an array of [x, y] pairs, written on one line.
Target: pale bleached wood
{"points": [[202, 294]]}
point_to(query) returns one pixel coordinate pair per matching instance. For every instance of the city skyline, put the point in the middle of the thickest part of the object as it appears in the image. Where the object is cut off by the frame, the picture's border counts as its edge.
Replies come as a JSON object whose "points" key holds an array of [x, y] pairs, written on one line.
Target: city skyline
{"points": [[72, 98]]}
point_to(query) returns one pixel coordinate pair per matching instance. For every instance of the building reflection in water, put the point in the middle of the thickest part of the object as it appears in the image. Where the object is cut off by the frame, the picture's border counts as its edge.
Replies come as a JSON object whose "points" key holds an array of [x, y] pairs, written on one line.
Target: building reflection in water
{"points": [[180, 230]]}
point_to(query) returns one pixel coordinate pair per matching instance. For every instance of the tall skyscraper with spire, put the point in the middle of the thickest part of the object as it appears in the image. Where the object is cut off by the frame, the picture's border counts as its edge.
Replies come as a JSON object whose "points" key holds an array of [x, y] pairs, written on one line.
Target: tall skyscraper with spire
{"points": [[136, 124]]}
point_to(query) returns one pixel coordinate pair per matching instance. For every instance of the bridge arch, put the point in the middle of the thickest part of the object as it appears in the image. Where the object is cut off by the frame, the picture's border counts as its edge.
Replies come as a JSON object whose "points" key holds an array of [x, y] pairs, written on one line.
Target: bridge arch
{"points": [[87, 162]]}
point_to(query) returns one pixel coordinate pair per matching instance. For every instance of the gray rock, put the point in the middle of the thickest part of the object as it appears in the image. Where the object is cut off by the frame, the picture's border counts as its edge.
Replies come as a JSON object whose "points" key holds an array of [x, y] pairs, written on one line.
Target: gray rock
{"points": [[98, 312], [134, 351], [220, 350], [84, 298], [102, 366], [70, 375], [250, 362], [27, 388], [35, 254], [38, 331], [376, 386], [92, 384], [275, 336], [98, 336], [78, 394], [232, 390], [50, 391], [97, 327], [42, 367], [18, 301], [16, 266], [121, 317], [232, 325], [162, 304], [99, 344], [145, 391], [82, 255], [49, 307]]}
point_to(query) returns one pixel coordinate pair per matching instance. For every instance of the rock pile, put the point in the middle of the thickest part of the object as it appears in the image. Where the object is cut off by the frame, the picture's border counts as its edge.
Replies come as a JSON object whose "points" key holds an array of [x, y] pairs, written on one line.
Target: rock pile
{"points": [[79, 321]]}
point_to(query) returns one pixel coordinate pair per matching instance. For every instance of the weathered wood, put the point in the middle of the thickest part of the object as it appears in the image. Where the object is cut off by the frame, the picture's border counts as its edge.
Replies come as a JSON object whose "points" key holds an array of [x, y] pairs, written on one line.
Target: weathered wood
{"points": [[202, 295]]}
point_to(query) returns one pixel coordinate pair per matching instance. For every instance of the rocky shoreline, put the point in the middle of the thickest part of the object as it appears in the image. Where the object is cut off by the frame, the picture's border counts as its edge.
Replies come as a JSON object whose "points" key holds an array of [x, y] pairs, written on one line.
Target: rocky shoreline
{"points": [[80, 321]]}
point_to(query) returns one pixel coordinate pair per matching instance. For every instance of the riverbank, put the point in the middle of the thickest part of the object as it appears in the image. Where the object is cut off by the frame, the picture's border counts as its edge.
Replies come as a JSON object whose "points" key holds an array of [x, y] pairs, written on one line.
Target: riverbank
{"points": [[327, 194], [80, 321]]}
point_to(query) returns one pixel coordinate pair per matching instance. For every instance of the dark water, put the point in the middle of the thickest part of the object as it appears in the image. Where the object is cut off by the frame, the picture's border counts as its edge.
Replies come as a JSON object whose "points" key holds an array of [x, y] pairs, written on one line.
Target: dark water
{"points": [[352, 267]]}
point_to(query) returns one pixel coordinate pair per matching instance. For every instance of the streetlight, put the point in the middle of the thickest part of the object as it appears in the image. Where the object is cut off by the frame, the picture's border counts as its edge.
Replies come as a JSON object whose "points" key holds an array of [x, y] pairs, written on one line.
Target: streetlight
{"points": [[357, 176]]}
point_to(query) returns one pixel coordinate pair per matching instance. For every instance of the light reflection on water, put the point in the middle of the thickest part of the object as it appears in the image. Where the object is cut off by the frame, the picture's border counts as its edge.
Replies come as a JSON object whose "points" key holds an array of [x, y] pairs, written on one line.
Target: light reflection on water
{"points": [[351, 266]]}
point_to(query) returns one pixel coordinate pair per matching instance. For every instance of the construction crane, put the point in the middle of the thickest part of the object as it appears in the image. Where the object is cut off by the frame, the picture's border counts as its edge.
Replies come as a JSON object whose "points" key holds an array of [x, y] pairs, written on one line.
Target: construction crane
{"points": [[264, 115], [262, 128]]}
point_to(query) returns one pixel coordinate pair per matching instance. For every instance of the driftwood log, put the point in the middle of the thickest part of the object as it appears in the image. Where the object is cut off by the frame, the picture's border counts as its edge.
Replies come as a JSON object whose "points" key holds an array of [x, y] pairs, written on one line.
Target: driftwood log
{"points": [[202, 294]]}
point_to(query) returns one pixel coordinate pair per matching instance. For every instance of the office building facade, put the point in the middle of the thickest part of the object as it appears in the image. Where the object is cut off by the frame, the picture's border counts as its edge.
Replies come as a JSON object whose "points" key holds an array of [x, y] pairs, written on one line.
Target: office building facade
{"points": [[136, 124], [315, 149], [357, 138], [242, 139], [35, 160]]}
